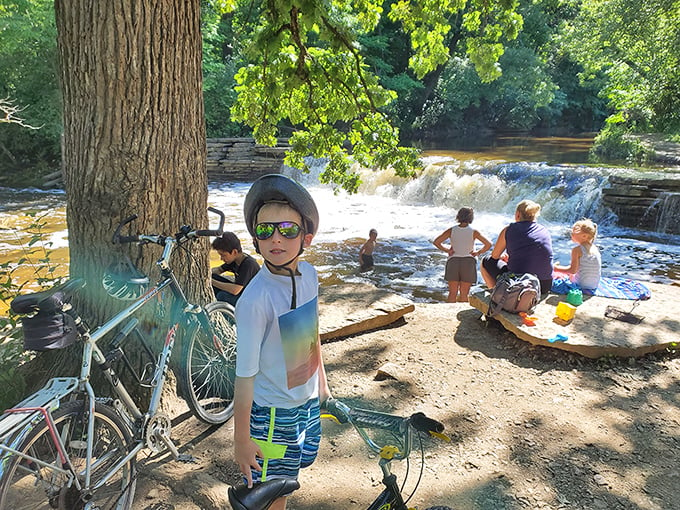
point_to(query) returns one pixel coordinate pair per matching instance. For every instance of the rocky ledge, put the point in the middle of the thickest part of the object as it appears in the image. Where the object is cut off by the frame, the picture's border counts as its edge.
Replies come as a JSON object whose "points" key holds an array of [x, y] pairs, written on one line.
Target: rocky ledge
{"points": [[591, 333]]}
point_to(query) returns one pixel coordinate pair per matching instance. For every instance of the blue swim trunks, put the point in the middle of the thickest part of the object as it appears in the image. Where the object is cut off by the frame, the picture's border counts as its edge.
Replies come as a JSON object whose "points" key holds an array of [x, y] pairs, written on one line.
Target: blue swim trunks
{"points": [[288, 438]]}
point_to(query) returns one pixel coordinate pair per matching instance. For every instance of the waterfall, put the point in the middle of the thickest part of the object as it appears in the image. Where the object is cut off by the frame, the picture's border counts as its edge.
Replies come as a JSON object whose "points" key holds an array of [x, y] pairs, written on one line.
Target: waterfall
{"points": [[566, 193], [669, 211]]}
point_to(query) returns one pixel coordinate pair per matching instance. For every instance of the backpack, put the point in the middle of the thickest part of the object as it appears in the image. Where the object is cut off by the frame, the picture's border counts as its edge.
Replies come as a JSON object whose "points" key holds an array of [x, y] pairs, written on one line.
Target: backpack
{"points": [[514, 293]]}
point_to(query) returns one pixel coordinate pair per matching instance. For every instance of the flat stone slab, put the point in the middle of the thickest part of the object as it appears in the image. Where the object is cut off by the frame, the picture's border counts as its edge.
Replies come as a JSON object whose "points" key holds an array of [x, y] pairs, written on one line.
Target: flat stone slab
{"points": [[593, 335], [349, 309]]}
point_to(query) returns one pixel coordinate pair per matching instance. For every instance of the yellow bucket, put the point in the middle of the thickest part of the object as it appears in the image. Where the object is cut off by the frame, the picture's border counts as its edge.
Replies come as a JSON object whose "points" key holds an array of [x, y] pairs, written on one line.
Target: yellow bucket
{"points": [[565, 311]]}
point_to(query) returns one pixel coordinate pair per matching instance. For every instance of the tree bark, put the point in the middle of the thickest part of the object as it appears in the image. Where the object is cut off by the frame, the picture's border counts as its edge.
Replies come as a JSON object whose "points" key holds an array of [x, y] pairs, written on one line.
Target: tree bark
{"points": [[134, 135]]}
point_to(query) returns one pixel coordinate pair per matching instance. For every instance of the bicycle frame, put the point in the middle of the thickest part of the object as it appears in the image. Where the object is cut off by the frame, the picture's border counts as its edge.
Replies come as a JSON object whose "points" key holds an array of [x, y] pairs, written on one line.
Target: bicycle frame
{"points": [[262, 495], [181, 312], [390, 498]]}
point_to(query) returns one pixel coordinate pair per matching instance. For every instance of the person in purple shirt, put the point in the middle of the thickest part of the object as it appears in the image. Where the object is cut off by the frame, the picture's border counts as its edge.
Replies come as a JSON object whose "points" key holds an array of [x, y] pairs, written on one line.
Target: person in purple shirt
{"points": [[522, 247]]}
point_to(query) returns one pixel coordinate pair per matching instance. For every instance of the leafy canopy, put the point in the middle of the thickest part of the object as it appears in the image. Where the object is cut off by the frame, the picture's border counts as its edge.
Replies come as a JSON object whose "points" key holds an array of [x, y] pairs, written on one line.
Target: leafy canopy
{"points": [[635, 44], [306, 68]]}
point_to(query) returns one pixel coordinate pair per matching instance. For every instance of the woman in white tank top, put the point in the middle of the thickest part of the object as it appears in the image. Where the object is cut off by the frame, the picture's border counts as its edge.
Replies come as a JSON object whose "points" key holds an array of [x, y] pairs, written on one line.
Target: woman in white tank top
{"points": [[461, 266]]}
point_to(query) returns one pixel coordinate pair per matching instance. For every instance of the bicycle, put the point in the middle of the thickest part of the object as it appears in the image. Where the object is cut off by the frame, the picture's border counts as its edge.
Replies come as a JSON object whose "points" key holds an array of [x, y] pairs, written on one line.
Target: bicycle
{"points": [[403, 431], [63, 447]]}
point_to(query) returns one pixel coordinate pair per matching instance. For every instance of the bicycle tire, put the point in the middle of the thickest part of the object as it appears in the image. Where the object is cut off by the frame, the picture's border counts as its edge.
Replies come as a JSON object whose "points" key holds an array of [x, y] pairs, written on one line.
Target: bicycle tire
{"points": [[209, 366], [27, 485], [439, 508]]}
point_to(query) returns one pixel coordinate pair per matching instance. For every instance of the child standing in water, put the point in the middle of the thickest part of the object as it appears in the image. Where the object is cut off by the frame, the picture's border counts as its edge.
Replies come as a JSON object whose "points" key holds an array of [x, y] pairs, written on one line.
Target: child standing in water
{"points": [[586, 263], [366, 251], [461, 266]]}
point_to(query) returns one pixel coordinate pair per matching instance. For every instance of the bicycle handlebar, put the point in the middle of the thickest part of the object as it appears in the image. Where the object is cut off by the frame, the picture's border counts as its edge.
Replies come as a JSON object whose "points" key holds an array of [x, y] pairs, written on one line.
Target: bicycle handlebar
{"points": [[422, 423], [220, 229], [118, 239], [365, 418], [186, 232]]}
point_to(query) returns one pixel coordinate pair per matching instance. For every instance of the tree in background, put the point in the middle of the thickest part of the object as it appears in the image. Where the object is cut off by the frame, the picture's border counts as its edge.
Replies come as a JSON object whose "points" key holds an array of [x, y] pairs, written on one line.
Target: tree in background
{"points": [[28, 77], [220, 63], [307, 67], [634, 44], [538, 87]]}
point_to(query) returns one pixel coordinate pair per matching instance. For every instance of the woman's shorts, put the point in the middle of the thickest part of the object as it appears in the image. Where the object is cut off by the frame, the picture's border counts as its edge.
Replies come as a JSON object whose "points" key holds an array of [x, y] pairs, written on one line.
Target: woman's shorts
{"points": [[461, 269], [495, 267], [289, 438]]}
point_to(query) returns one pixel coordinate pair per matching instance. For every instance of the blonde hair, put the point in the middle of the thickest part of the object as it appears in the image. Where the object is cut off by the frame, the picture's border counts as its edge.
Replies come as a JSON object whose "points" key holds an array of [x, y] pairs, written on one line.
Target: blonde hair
{"points": [[586, 226], [528, 210]]}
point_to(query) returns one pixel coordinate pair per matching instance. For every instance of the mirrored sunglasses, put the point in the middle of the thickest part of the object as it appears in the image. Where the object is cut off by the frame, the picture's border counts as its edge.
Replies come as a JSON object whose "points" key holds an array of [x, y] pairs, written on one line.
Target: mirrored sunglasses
{"points": [[288, 229]]}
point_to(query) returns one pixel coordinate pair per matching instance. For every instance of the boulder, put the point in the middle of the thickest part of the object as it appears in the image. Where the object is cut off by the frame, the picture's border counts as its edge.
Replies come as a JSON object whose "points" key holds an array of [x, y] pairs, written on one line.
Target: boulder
{"points": [[591, 333], [349, 309]]}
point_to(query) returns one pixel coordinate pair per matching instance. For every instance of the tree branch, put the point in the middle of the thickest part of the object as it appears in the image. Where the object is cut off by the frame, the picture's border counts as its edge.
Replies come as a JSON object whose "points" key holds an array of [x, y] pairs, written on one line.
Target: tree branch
{"points": [[9, 112]]}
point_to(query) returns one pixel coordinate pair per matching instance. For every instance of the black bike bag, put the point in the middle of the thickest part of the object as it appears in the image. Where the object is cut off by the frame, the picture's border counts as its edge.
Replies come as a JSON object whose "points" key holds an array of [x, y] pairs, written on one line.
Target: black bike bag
{"points": [[45, 331]]}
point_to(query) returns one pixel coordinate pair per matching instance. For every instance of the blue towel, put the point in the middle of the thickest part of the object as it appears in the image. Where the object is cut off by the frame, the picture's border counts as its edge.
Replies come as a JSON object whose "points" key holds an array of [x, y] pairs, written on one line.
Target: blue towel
{"points": [[616, 287]]}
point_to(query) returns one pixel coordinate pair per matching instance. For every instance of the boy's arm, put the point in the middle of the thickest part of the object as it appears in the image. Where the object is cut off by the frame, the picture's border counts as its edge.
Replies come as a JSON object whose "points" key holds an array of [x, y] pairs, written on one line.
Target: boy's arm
{"points": [[231, 288], [246, 451], [324, 389]]}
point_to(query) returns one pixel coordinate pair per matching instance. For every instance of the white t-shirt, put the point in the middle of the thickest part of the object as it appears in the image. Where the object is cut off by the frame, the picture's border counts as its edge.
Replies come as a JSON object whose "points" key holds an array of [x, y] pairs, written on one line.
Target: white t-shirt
{"points": [[462, 241], [277, 345]]}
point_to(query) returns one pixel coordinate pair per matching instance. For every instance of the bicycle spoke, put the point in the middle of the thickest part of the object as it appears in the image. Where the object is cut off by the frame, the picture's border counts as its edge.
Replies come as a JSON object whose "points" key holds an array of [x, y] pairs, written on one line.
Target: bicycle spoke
{"points": [[31, 486], [210, 359]]}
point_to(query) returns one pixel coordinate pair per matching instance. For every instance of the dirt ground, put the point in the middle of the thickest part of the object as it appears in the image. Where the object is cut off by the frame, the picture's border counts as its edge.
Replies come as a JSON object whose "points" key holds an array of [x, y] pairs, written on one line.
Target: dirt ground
{"points": [[530, 427]]}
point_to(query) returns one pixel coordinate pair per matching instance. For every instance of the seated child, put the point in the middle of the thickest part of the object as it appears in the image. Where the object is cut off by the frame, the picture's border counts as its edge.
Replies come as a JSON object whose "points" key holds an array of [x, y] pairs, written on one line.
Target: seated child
{"points": [[586, 263]]}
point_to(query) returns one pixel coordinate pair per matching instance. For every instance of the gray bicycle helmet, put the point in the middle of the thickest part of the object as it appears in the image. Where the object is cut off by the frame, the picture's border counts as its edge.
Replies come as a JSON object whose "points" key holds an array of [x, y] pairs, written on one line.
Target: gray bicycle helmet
{"points": [[122, 280], [279, 188]]}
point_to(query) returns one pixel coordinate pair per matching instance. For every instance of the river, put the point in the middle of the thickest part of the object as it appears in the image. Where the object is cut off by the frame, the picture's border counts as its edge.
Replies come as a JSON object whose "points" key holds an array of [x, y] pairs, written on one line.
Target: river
{"points": [[410, 214]]}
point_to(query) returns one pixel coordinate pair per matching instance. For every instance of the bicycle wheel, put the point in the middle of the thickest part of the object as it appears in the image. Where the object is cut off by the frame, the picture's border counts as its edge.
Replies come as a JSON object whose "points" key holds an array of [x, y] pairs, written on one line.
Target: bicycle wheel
{"points": [[209, 366], [28, 485]]}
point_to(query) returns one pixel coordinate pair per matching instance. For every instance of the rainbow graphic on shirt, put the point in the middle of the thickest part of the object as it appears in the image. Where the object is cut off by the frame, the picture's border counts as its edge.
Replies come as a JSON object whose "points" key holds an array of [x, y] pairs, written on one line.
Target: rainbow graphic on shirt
{"points": [[300, 340]]}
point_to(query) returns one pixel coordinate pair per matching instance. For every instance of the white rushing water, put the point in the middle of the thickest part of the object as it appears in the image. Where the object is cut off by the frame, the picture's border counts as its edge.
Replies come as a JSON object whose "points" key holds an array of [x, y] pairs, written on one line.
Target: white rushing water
{"points": [[410, 214]]}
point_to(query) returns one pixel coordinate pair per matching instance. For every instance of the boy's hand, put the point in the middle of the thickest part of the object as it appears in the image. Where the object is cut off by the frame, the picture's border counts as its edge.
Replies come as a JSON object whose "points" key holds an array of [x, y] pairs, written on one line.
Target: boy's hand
{"points": [[245, 454]]}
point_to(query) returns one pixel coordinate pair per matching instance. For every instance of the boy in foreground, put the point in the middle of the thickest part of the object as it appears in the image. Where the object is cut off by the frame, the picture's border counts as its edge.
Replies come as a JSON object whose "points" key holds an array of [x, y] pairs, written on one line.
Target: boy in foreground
{"points": [[280, 377]]}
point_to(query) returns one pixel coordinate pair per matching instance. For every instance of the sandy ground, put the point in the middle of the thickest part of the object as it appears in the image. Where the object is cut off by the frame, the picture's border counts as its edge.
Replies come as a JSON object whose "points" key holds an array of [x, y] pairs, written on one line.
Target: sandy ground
{"points": [[531, 427]]}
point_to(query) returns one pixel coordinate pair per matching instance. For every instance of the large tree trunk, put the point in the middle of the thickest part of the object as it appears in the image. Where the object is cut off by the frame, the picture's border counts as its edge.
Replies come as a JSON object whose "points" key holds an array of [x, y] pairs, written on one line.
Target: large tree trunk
{"points": [[134, 134]]}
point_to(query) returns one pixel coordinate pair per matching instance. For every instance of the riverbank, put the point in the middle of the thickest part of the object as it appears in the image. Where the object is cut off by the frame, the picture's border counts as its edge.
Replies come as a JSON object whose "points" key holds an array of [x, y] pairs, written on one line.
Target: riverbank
{"points": [[663, 151], [531, 427]]}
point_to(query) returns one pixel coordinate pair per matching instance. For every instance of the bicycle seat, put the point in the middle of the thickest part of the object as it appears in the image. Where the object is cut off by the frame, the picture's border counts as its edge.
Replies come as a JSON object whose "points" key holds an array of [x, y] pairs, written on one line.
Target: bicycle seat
{"points": [[47, 300], [261, 495]]}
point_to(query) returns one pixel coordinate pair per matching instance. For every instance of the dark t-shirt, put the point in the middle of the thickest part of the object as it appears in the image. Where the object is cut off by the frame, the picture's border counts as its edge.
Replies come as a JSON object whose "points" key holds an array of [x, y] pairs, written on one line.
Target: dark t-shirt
{"points": [[243, 272], [529, 248]]}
